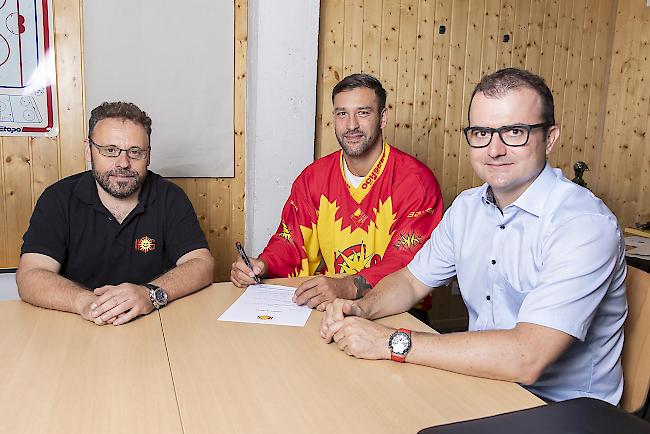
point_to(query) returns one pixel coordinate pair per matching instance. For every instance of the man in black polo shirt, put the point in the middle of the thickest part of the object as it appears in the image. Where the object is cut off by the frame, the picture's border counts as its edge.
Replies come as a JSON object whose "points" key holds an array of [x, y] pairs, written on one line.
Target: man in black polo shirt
{"points": [[118, 241]]}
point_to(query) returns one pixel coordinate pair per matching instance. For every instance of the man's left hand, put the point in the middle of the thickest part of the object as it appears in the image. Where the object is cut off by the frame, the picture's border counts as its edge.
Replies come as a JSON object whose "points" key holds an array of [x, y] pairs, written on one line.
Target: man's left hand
{"points": [[321, 291], [120, 304], [360, 338]]}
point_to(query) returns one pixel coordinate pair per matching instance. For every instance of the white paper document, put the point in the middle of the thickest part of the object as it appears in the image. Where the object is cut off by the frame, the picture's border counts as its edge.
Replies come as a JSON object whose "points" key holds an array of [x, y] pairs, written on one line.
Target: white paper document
{"points": [[267, 304], [639, 247]]}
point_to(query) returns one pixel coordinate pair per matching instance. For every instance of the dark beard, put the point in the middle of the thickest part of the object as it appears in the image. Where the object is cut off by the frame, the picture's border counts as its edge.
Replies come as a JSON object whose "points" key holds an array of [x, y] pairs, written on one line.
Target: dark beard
{"points": [[125, 189]]}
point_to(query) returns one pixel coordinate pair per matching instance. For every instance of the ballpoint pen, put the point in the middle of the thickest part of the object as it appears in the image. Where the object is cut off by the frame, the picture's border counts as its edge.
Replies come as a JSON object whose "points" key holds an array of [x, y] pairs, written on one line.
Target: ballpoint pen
{"points": [[244, 256]]}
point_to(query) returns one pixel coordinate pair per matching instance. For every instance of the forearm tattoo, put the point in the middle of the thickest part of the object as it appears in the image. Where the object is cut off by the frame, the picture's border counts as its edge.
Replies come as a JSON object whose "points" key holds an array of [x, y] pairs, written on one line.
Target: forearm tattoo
{"points": [[362, 286]]}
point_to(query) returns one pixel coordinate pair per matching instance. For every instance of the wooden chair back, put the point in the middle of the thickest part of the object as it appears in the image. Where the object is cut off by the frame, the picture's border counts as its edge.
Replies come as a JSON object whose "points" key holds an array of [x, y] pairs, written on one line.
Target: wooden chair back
{"points": [[636, 349]]}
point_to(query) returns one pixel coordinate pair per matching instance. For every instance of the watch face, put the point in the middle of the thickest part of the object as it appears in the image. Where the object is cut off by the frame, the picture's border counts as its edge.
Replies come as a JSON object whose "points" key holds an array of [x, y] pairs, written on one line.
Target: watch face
{"points": [[400, 343], [161, 297]]}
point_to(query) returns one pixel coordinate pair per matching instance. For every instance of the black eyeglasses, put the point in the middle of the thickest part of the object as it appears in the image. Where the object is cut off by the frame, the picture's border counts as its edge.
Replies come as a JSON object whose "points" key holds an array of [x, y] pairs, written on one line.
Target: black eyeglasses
{"points": [[112, 151], [511, 135]]}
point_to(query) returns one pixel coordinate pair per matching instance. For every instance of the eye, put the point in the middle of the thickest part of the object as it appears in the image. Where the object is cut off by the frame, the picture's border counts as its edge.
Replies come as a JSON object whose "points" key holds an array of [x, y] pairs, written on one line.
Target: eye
{"points": [[364, 113], [515, 131], [341, 114], [480, 133], [137, 152], [112, 150]]}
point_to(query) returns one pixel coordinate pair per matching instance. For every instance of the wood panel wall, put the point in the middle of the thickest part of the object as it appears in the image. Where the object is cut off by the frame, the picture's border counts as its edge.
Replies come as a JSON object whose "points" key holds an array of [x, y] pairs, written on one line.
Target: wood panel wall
{"points": [[29, 165], [430, 73], [624, 178]]}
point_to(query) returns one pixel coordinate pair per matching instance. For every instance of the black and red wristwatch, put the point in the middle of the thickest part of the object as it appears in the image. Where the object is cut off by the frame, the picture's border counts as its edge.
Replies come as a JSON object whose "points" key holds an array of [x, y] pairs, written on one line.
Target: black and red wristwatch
{"points": [[399, 345]]}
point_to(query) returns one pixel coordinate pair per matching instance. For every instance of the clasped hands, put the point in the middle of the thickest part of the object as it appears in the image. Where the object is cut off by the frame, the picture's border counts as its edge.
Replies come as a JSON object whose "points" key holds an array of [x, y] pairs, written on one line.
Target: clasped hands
{"points": [[117, 304], [345, 323]]}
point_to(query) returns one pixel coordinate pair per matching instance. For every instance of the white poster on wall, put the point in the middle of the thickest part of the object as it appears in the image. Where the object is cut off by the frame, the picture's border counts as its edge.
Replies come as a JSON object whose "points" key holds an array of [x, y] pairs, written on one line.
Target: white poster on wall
{"points": [[27, 69], [175, 60]]}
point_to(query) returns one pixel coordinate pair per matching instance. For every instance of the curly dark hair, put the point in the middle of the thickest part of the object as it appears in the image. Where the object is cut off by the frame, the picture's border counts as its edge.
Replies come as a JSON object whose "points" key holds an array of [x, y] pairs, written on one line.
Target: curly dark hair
{"points": [[119, 110]]}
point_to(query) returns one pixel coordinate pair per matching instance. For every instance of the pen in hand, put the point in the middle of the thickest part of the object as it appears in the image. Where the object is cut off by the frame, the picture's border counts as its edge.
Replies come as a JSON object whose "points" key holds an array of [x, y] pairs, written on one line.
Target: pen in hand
{"points": [[243, 255]]}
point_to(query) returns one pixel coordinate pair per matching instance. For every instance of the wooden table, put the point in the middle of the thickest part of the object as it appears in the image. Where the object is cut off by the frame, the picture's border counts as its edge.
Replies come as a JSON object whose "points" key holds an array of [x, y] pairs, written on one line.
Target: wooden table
{"points": [[62, 374], [182, 371], [245, 378]]}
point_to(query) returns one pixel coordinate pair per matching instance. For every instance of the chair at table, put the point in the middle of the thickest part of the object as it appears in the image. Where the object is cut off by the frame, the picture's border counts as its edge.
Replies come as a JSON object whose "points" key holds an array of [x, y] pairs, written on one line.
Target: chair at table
{"points": [[636, 349]]}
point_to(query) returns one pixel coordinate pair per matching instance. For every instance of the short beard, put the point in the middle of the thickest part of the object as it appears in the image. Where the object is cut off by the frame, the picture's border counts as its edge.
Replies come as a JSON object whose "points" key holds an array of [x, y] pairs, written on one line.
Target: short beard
{"points": [[125, 189], [363, 147]]}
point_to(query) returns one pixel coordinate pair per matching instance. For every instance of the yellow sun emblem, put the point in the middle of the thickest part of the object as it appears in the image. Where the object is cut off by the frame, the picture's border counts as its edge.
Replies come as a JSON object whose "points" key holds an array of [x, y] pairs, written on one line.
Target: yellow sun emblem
{"points": [[408, 241], [286, 233], [145, 244]]}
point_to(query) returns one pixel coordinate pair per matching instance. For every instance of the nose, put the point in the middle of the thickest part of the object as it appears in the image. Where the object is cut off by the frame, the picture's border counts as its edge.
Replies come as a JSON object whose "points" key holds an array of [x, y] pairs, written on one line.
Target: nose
{"points": [[496, 148], [122, 160], [352, 123]]}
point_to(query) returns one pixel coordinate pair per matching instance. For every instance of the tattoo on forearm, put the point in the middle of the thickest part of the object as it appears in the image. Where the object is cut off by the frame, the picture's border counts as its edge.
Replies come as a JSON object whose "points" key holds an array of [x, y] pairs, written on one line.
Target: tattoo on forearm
{"points": [[362, 286]]}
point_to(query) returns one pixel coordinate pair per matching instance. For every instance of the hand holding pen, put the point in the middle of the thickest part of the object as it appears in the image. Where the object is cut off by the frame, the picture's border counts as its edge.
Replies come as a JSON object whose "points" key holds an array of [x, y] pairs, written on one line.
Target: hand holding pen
{"points": [[247, 261]]}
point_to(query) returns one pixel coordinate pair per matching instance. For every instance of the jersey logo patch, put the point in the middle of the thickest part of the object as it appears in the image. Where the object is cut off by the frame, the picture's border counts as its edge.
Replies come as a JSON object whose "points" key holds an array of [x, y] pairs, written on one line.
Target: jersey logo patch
{"points": [[145, 244], [408, 241]]}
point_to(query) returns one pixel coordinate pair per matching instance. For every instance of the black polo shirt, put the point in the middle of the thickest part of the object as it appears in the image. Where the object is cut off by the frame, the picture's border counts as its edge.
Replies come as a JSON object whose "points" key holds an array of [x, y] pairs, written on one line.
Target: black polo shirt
{"points": [[71, 225]]}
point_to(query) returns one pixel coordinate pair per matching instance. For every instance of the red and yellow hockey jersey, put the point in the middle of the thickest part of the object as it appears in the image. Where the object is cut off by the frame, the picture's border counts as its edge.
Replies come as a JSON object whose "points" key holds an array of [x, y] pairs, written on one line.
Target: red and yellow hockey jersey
{"points": [[330, 227]]}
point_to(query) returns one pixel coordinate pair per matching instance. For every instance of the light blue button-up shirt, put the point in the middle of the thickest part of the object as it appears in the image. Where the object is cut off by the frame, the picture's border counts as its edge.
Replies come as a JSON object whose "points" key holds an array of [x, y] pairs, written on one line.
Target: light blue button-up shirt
{"points": [[555, 257]]}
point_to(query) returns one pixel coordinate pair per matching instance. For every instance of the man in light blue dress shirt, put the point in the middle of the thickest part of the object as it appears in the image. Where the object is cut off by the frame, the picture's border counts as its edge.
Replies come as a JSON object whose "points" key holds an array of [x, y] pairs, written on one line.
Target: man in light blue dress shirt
{"points": [[540, 264]]}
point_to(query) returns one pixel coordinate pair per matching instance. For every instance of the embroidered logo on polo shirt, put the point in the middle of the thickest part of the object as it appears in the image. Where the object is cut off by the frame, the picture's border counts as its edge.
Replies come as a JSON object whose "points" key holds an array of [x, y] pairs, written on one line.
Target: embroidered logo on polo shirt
{"points": [[145, 244]]}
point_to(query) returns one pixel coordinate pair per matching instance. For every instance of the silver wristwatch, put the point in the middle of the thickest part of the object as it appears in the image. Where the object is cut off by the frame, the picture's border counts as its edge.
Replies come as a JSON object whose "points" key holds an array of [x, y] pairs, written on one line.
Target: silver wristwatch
{"points": [[157, 295]]}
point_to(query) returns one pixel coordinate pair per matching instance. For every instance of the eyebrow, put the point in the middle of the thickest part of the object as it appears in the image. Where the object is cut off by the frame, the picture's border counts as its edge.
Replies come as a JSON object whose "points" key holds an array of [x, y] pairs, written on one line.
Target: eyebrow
{"points": [[357, 108]]}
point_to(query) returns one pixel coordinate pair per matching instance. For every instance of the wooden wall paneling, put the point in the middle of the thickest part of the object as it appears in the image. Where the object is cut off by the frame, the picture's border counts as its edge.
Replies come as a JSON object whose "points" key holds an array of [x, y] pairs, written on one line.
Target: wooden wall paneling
{"points": [[220, 217], [472, 72], [68, 39], [439, 76], [550, 35], [597, 92], [506, 24], [559, 73], [489, 49], [389, 61], [520, 33], [4, 247], [586, 71], [45, 165], [352, 37], [618, 98], [570, 94], [635, 142], [371, 56], [235, 186], [535, 36], [422, 122], [642, 213], [408, 30], [17, 193], [455, 87], [330, 67]]}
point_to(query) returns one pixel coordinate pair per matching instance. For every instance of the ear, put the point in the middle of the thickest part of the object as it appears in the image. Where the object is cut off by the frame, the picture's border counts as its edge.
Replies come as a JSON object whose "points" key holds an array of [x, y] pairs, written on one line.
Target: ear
{"points": [[384, 117], [551, 137], [87, 151]]}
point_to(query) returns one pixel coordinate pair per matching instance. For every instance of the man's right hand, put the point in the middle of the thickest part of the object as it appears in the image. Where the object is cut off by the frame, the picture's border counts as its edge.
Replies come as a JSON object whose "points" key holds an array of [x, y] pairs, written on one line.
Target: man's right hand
{"points": [[242, 276], [335, 312]]}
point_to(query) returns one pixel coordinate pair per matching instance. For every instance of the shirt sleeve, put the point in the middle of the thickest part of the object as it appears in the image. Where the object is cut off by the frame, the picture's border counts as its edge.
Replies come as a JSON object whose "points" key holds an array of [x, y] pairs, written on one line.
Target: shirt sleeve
{"points": [[183, 233], [290, 251], [579, 259], [418, 215], [48, 229], [434, 265]]}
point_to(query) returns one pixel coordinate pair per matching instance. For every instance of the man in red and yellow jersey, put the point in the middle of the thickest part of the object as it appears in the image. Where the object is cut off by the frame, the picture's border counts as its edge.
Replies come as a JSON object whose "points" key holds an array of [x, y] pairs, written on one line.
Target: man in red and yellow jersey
{"points": [[363, 211]]}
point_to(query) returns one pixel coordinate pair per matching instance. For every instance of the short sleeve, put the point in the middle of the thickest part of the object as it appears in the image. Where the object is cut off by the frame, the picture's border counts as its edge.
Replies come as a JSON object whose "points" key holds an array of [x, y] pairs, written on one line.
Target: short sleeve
{"points": [[47, 233], [183, 233], [579, 260], [434, 264]]}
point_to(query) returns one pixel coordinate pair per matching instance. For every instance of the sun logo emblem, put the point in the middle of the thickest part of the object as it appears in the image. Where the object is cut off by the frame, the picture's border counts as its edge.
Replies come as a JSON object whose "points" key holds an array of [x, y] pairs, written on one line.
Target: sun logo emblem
{"points": [[285, 233], [408, 241], [145, 244]]}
